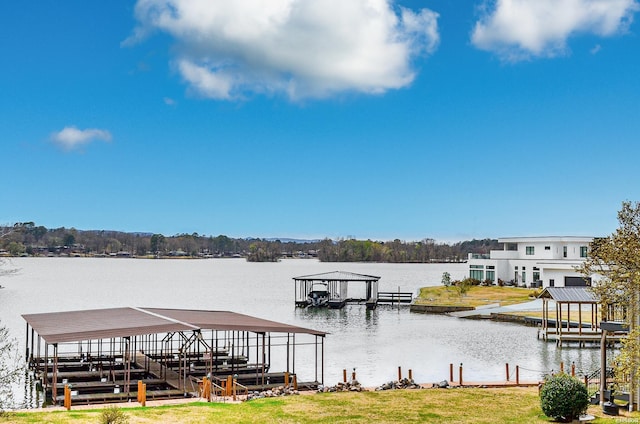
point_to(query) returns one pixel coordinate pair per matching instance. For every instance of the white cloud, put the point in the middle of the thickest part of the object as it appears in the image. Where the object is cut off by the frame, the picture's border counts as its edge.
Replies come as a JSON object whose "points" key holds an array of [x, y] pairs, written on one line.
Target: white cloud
{"points": [[521, 29], [304, 48], [70, 138]]}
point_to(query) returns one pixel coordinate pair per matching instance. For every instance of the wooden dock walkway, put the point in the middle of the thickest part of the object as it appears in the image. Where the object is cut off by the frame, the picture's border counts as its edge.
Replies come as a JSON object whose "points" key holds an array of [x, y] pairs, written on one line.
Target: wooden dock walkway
{"points": [[158, 370]]}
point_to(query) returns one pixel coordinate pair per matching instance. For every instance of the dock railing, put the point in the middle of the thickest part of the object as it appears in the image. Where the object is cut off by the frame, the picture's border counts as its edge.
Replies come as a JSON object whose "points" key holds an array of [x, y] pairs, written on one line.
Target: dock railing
{"points": [[395, 297]]}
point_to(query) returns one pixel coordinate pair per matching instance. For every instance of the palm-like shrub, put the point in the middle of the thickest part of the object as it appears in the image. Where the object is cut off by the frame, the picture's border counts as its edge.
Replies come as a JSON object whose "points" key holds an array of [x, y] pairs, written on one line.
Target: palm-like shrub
{"points": [[563, 397]]}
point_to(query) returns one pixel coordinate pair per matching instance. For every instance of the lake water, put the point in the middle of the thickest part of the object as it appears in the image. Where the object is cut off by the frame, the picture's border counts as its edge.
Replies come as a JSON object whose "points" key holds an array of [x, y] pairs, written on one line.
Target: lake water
{"points": [[374, 342]]}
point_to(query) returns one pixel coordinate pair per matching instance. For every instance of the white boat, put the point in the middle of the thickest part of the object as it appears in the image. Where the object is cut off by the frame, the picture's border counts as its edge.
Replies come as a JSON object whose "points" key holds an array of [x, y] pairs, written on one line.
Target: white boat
{"points": [[318, 296]]}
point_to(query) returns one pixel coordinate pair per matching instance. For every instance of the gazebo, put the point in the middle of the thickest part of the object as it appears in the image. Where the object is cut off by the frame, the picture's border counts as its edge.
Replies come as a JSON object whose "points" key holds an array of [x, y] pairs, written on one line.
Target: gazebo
{"points": [[561, 328]]}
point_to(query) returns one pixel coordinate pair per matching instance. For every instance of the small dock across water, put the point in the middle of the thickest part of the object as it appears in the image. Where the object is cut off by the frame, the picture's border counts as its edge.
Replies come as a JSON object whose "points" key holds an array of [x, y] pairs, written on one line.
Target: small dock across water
{"points": [[336, 289]]}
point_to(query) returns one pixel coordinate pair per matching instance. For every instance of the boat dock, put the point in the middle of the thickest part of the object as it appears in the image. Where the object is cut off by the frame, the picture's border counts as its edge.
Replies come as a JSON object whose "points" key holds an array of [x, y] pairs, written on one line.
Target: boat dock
{"points": [[124, 354], [336, 289]]}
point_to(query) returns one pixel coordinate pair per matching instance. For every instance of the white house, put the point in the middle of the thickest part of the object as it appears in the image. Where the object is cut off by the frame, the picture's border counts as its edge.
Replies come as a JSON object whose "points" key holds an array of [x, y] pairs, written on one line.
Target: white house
{"points": [[534, 262]]}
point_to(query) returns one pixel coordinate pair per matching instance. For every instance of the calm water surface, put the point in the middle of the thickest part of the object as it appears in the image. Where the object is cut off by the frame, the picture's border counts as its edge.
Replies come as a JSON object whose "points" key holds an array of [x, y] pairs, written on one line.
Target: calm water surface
{"points": [[374, 342]]}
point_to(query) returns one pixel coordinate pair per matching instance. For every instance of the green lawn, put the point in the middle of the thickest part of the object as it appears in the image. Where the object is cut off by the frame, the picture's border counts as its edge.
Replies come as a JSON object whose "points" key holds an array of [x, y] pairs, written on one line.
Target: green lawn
{"points": [[476, 296], [467, 405]]}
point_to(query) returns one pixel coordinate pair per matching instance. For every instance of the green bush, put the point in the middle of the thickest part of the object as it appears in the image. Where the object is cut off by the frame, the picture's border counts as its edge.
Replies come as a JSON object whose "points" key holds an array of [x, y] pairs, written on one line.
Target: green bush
{"points": [[563, 398], [113, 415]]}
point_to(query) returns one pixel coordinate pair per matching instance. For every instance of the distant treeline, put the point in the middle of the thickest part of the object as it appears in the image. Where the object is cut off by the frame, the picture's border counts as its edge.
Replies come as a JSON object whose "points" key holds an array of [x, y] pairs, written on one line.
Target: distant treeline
{"points": [[28, 239]]}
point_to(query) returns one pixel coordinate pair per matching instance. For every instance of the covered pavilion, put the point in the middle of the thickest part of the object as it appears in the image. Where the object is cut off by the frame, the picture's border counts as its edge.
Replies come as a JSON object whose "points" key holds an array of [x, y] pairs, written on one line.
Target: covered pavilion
{"points": [[99, 352], [577, 317], [336, 283]]}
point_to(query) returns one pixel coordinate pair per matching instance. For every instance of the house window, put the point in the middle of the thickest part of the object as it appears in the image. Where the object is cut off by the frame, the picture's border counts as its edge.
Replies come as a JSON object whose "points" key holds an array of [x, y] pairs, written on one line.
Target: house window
{"points": [[564, 251], [552, 282], [491, 275], [583, 251], [524, 277], [529, 250], [478, 274], [536, 275]]}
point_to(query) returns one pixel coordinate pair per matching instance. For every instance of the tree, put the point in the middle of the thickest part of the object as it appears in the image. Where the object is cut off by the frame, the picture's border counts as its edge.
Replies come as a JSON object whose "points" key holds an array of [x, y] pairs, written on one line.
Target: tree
{"points": [[11, 366], [446, 279], [616, 259]]}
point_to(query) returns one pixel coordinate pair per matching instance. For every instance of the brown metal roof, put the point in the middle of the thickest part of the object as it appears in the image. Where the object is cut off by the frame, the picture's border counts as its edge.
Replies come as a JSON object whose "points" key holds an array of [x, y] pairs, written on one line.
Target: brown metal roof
{"points": [[70, 326], [225, 320]]}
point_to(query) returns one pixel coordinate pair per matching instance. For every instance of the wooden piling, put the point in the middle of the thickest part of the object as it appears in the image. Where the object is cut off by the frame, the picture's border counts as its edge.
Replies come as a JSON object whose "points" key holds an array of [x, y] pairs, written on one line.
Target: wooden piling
{"points": [[229, 385], [562, 367], [353, 375], [461, 373], [295, 382], [67, 397], [573, 369], [399, 373], [451, 373], [344, 375], [286, 379], [517, 374], [410, 374], [507, 369]]}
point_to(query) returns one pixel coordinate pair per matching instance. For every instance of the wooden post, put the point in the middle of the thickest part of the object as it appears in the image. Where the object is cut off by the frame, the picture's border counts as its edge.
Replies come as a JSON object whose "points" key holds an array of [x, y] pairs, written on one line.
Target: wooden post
{"points": [[507, 368], [573, 369], [517, 375], [229, 385], [410, 374], [353, 375], [344, 375], [562, 367], [67, 397], [286, 379], [143, 398], [451, 373], [399, 373], [139, 397], [461, 373], [295, 382]]}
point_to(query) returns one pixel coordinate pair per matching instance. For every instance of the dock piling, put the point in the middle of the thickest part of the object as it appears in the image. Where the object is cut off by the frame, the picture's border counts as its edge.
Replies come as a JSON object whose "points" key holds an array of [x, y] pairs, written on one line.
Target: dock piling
{"points": [[399, 373], [461, 373], [451, 372], [517, 375], [507, 368]]}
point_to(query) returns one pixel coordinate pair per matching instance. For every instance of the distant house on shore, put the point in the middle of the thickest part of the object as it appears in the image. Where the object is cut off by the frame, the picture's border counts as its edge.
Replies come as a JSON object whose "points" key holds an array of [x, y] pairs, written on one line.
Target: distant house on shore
{"points": [[534, 262]]}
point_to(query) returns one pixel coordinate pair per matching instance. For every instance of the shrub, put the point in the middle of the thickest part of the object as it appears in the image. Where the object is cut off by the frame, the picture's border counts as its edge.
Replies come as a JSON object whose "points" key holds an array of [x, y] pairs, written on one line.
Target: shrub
{"points": [[113, 415], [563, 398]]}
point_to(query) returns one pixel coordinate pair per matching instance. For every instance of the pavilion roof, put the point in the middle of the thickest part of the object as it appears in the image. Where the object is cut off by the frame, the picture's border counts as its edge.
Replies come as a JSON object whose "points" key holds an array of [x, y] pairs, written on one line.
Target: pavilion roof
{"points": [[95, 324], [569, 294], [338, 276]]}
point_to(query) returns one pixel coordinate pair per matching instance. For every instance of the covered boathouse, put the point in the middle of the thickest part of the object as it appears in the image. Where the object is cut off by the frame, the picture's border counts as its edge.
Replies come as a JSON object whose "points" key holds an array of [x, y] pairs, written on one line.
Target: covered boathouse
{"points": [[335, 289], [107, 355], [577, 317]]}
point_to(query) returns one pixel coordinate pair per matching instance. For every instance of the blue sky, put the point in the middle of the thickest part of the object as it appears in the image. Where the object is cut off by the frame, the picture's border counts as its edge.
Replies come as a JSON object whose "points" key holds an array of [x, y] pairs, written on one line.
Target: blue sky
{"points": [[373, 119]]}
